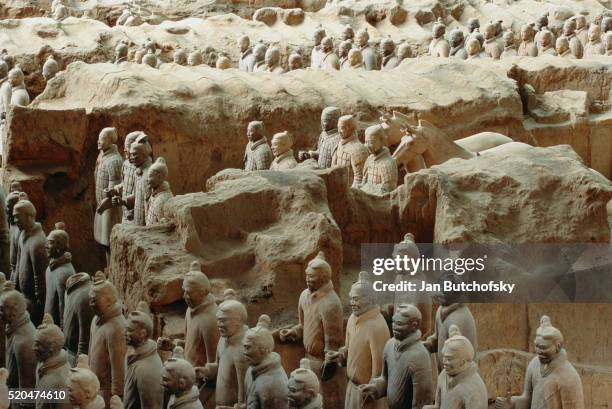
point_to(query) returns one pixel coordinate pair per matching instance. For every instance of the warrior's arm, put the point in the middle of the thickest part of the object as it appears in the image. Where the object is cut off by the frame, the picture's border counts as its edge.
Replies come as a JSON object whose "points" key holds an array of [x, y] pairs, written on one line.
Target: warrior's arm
{"points": [[381, 381], [211, 339], [332, 327], [39, 260], [117, 349], [241, 366], [299, 328], [524, 401]]}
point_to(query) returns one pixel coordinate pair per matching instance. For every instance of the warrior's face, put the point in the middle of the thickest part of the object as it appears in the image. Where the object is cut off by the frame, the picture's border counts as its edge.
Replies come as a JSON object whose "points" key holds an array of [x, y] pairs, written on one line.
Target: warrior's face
{"points": [[546, 349]]}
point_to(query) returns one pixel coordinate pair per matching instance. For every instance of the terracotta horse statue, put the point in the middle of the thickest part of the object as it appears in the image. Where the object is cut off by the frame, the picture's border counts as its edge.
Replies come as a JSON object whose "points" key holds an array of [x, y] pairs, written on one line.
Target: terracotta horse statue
{"points": [[430, 143]]}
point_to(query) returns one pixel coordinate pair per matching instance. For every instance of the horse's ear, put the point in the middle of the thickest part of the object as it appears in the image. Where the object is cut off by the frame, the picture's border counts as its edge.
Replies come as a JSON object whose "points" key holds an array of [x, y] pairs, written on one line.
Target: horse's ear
{"points": [[426, 124]]}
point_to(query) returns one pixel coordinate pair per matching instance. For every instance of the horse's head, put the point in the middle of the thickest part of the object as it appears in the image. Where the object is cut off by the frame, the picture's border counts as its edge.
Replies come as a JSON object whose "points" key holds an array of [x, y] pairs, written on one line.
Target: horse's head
{"points": [[414, 143], [394, 126], [405, 151]]}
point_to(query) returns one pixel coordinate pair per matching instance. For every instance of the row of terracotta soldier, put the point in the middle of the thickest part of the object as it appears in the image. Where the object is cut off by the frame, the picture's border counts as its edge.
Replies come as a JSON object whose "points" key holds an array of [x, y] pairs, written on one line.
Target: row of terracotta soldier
{"points": [[370, 166], [40, 266], [577, 39], [354, 51], [12, 91], [219, 353], [129, 190]]}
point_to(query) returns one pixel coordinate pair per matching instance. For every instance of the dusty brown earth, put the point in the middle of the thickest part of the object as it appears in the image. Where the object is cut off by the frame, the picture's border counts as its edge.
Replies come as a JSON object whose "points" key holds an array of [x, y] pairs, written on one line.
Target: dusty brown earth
{"points": [[166, 103], [255, 232]]}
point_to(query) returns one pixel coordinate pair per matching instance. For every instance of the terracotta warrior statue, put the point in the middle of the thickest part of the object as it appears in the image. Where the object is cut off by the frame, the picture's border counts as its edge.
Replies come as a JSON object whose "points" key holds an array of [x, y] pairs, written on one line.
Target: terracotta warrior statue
{"points": [[343, 50], [32, 259], [19, 93], [229, 369], [606, 25], [608, 43], [491, 46], [5, 95], [20, 335], [473, 25], [194, 58], [129, 18], [107, 343], [370, 61], [10, 60], [450, 312], [224, 63], [562, 48], [355, 59], [144, 366], [380, 169], [594, 46], [477, 35], [389, 60], [457, 44], [439, 47], [582, 29], [546, 45], [407, 248], [5, 235], [328, 139], [350, 152], [140, 157], [316, 54], [527, 48], [178, 380], [108, 175], [295, 61], [473, 48], [259, 52], [509, 48], [404, 51], [303, 388], [201, 332], [246, 62], [499, 32], [121, 52], [348, 34], [569, 31], [83, 386], [3, 284], [160, 192], [50, 68], [366, 336], [272, 60], [150, 59], [11, 201], [78, 314], [180, 56], [121, 192], [265, 379], [53, 369], [459, 384], [329, 59], [542, 25], [551, 381], [406, 378], [257, 154], [320, 328], [59, 270], [281, 146]]}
